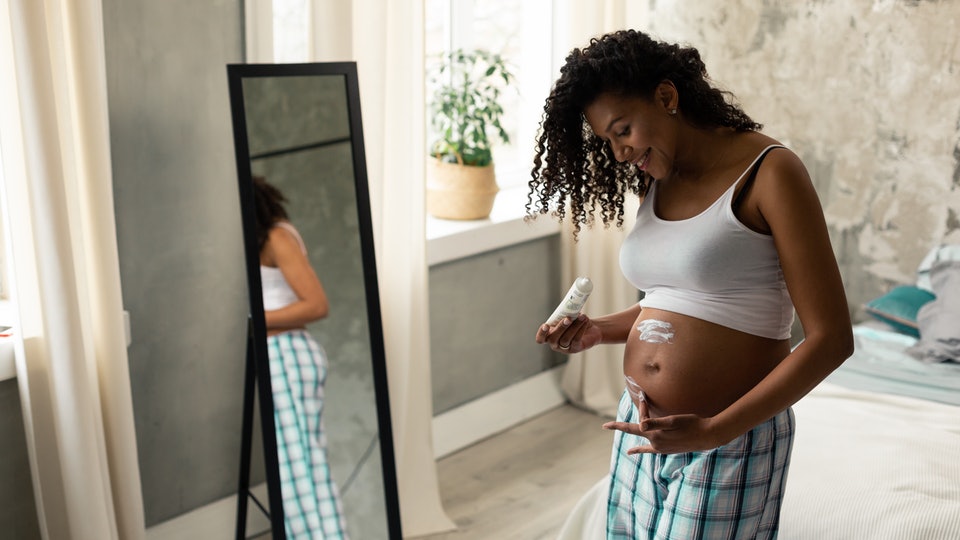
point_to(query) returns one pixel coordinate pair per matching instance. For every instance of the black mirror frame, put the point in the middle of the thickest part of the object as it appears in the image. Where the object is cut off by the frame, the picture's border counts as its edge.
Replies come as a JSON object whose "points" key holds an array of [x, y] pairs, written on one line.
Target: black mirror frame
{"points": [[257, 344]]}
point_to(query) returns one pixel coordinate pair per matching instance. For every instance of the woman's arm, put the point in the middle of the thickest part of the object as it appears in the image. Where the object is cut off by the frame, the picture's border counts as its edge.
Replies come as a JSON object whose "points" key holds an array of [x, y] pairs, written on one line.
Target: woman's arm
{"points": [[788, 202], [284, 250]]}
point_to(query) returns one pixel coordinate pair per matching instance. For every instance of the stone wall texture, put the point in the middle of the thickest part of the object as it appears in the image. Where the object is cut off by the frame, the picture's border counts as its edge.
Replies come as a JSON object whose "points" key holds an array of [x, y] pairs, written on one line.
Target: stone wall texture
{"points": [[867, 93]]}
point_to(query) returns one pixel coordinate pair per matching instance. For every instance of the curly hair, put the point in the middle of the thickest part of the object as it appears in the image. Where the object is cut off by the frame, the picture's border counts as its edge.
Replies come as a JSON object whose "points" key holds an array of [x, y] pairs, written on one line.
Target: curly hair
{"points": [[269, 203], [573, 164]]}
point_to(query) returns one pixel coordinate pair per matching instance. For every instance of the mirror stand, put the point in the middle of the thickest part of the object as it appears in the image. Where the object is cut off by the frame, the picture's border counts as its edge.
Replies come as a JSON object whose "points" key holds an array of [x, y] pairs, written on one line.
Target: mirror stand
{"points": [[244, 495], [311, 270]]}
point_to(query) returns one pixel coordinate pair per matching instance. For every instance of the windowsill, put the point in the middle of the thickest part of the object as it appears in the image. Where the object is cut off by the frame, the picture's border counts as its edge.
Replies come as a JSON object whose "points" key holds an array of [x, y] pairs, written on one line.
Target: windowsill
{"points": [[449, 240]]}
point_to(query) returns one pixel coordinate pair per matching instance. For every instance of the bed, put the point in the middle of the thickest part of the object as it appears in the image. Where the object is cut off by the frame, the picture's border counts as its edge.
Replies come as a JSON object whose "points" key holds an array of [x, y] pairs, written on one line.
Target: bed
{"points": [[876, 453]]}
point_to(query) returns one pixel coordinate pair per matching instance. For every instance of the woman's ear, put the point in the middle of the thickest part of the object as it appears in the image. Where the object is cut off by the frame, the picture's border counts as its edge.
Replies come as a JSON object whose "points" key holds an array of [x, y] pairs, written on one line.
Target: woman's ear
{"points": [[666, 95]]}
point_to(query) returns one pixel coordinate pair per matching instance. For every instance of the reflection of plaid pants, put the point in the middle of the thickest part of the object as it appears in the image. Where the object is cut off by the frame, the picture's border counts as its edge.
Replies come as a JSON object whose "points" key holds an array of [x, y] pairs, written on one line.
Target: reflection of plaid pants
{"points": [[311, 504], [729, 492]]}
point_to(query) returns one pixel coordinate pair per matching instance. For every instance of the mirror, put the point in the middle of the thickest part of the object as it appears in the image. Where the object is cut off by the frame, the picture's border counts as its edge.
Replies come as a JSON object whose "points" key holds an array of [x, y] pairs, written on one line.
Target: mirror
{"points": [[325, 418]]}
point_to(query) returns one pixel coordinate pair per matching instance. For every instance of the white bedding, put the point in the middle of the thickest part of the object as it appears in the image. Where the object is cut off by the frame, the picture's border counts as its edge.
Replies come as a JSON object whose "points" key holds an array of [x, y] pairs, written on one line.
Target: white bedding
{"points": [[873, 466], [866, 465]]}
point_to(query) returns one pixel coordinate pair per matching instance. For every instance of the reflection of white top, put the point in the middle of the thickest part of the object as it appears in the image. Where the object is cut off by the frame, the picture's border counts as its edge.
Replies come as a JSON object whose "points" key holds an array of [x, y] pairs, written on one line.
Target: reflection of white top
{"points": [[277, 293]]}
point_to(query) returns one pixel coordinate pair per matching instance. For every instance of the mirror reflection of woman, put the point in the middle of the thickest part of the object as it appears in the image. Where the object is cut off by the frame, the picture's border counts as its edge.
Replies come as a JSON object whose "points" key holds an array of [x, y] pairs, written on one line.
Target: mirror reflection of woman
{"points": [[293, 296]]}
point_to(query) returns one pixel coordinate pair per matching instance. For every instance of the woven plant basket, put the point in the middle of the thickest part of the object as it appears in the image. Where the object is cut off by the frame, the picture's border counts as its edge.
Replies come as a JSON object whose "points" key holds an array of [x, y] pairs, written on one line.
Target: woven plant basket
{"points": [[456, 191]]}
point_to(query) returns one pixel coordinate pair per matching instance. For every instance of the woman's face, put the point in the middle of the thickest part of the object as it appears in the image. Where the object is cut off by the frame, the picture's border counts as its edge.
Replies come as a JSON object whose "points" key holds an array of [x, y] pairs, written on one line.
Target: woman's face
{"points": [[639, 131]]}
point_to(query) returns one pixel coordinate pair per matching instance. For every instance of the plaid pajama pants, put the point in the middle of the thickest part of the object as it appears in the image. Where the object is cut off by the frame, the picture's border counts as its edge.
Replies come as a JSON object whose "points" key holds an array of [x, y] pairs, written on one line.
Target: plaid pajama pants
{"points": [[311, 503], [730, 492]]}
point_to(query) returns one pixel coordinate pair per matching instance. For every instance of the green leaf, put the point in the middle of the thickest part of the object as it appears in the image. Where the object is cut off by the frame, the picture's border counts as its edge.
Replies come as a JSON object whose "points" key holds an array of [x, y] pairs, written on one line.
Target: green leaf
{"points": [[466, 88]]}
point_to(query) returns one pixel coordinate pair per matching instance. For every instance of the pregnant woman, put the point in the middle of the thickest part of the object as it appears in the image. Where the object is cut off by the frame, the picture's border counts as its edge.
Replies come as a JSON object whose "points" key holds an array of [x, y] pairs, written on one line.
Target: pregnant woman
{"points": [[729, 241]]}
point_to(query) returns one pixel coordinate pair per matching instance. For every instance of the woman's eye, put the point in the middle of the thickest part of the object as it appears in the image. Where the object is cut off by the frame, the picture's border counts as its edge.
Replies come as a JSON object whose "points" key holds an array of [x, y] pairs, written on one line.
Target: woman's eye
{"points": [[624, 132]]}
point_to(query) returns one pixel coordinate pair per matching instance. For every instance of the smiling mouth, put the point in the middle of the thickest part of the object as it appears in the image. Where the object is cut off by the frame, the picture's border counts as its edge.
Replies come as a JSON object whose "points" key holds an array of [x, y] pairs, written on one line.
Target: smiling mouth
{"points": [[642, 162]]}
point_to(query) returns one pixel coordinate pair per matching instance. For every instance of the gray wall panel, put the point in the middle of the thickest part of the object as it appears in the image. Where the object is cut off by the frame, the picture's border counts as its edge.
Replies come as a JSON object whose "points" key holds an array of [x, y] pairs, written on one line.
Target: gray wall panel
{"points": [[484, 312], [180, 242], [18, 514]]}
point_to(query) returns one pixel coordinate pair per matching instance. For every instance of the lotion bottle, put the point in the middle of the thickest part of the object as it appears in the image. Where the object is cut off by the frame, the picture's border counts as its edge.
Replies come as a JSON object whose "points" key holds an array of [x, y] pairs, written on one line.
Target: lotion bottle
{"points": [[573, 302]]}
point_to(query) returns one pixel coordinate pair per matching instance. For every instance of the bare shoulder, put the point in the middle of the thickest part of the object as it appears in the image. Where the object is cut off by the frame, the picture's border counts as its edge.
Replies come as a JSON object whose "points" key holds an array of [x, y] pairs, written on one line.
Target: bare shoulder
{"points": [[277, 233], [783, 173], [748, 146], [782, 187], [780, 166], [284, 234], [784, 193], [283, 243]]}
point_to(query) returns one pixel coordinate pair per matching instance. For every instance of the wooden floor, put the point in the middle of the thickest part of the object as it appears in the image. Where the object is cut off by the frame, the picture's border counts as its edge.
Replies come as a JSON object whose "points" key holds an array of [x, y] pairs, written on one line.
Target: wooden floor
{"points": [[522, 483]]}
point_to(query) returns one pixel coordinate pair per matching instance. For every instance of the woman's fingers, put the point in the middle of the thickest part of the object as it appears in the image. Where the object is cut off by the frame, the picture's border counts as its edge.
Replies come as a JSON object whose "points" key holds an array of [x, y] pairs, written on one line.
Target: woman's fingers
{"points": [[580, 329], [642, 408], [551, 334], [571, 340], [669, 434], [562, 336], [542, 333], [568, 331]]}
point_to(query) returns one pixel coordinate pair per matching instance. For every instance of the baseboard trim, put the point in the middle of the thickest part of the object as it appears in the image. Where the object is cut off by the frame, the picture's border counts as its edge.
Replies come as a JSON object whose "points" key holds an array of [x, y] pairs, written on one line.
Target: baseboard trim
{"points": [[217, 520], [496, 412]]}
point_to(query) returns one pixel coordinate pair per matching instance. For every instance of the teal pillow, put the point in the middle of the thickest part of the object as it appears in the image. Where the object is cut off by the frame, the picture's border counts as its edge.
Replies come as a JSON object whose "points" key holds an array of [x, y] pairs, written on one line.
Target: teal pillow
{"points": [[898, 308]]}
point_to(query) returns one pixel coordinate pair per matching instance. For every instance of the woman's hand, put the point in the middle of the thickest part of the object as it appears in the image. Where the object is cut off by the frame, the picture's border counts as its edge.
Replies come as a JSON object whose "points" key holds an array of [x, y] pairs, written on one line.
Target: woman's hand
{"points": [[570, 335], [674, 434]]}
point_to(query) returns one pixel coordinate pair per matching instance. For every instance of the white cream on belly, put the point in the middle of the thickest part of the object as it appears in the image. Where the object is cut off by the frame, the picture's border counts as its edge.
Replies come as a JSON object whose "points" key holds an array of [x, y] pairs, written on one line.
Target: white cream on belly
{"points": [[654, 331], [634, 390]]}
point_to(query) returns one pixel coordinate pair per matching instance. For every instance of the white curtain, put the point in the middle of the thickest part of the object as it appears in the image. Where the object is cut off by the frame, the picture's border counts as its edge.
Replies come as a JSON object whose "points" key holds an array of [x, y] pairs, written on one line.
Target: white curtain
{"points": [[385, 38], [72, 363], [594, 379]]}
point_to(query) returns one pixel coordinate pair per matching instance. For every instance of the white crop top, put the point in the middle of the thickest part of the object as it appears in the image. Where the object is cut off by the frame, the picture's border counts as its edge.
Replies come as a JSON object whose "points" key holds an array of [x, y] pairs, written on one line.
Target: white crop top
{"points": [[710, 266], [277, 293]]}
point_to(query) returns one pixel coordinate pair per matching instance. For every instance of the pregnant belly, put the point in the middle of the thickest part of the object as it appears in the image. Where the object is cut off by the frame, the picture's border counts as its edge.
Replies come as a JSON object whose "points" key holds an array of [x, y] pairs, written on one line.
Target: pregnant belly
{"points": [[686, 365]]}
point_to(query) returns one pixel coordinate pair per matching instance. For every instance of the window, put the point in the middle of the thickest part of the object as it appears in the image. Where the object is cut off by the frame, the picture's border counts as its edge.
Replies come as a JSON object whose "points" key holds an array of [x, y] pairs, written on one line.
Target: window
{"points": [[521, 32], [290, 30]]}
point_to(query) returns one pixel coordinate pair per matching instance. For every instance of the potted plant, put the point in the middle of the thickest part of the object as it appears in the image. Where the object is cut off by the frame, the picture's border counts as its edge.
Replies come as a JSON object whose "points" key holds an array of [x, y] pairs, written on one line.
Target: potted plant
{"points": [[465, 114]]}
